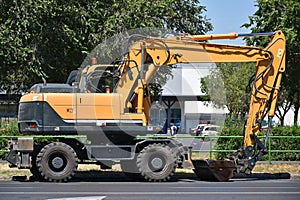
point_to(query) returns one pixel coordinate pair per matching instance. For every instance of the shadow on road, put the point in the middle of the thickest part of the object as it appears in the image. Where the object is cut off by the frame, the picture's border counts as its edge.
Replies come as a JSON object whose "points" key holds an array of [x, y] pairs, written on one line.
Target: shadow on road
{"points": [[113, 176], [263, 176]]}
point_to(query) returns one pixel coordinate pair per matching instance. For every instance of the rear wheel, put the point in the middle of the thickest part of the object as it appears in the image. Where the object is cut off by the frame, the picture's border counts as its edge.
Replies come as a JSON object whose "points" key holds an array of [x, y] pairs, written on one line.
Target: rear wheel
{"points": [[156, 162], [34, 169], [57, 162]]}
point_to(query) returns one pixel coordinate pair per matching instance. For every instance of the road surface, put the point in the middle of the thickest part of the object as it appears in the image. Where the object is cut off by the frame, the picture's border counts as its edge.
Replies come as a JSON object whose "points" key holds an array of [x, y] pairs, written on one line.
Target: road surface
{"points": [[115, 186]]}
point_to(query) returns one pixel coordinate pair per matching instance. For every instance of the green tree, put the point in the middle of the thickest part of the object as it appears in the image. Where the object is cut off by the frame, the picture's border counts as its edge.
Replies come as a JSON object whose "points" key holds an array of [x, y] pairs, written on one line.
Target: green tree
{"points": [[227, 84], [44, 38], [285, 15], [49, 38], [285, 106]]}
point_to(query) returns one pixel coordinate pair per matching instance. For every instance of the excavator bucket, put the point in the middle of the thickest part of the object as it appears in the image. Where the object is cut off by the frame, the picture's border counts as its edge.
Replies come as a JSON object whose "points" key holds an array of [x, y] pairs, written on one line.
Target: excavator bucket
{"points": [[214, 170]]}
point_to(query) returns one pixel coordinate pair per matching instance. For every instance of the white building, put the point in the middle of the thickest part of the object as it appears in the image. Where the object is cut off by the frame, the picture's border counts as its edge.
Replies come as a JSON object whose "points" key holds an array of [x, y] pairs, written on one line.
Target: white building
{"points": [[190, 108], [182, 94]]}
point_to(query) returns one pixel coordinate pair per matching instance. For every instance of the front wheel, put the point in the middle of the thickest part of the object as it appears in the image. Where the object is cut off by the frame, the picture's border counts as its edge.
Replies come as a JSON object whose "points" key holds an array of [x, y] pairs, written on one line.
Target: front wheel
{"points": [[57, 162], [156, 162]]}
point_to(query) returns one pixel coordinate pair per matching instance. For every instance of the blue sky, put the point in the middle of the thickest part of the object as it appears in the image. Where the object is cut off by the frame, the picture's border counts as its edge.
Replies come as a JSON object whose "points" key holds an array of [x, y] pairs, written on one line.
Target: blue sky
{"points": [[228, 15]]}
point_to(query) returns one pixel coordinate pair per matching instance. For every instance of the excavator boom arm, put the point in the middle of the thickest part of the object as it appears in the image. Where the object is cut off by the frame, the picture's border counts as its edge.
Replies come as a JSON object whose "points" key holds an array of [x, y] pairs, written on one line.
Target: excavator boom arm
{"points": [[270, 65]]}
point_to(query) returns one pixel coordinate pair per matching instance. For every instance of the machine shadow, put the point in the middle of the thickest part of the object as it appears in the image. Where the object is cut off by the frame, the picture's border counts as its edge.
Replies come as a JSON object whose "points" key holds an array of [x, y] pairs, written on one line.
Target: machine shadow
{"points": [[116, 176], [262, 176]]}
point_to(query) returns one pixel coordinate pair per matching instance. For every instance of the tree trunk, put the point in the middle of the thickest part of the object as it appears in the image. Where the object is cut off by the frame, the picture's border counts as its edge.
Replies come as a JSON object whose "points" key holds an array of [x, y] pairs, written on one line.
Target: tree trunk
{"points": [[280, 113], [296, 112], [281, 121]]}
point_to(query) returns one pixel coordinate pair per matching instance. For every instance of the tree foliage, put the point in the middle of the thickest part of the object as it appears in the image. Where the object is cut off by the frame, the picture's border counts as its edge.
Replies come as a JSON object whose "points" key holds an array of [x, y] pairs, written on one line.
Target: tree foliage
{"points": [[227, 85], [49, 38], [285, 15]]}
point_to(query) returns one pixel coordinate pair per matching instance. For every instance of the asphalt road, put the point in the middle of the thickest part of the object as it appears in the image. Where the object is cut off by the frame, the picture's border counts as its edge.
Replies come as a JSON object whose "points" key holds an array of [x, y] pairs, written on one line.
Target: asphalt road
{"points": [[115, 186]]}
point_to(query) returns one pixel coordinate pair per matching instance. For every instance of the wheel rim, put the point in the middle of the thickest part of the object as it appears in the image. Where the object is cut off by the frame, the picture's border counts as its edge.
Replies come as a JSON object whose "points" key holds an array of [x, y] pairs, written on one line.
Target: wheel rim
{"points": [[157, 163], [57, 163]]}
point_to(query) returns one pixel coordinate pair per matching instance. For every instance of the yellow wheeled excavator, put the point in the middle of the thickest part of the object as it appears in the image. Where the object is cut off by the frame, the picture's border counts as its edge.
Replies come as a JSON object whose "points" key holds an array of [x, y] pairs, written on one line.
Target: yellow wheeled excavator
{"points": [[109, 108]]}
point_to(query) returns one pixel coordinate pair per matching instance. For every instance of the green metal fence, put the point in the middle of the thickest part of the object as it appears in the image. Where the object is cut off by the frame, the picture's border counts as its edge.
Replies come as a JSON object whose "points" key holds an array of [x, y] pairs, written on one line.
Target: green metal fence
{"points": [[270, 150], [210, 139], [211, 150]]}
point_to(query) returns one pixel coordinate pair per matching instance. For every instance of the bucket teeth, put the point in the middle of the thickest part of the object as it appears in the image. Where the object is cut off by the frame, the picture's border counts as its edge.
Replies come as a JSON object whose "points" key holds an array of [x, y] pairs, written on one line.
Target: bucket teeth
{"points": [[214, 170]]}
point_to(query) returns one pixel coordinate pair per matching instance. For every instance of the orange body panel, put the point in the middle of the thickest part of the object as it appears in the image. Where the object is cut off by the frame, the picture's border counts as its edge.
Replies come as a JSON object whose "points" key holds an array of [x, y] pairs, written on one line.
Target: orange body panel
{"points": [[62, 103], [98, 106], [80, 106]]}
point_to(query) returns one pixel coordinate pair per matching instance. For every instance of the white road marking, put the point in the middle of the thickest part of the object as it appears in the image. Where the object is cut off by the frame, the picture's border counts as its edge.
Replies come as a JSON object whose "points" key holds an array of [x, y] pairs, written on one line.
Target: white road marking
{"points": [[153, 193], [81, 198], [263, 187]]}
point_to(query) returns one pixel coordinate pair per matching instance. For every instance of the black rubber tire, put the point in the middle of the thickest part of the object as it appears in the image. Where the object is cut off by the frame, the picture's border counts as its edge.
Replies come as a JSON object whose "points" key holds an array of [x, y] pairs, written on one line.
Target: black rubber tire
{"points": [[156, 162], [34, 169], [57, 162], [36, 175]]}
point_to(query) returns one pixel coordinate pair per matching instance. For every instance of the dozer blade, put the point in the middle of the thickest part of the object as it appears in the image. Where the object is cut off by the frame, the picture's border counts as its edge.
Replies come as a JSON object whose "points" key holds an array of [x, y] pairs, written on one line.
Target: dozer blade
{"points": [[214, 170]]}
